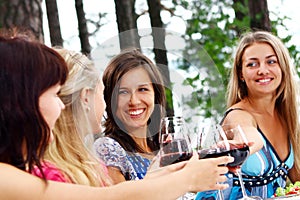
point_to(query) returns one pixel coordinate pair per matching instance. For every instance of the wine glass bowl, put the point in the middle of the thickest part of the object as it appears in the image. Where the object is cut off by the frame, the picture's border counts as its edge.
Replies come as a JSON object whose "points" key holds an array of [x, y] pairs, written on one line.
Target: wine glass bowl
{"points": [[213, 143], [175, 144], [238, 145]]}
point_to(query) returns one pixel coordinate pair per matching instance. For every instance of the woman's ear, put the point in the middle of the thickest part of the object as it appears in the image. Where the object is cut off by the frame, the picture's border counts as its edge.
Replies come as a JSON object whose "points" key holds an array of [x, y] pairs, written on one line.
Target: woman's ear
{"points": [[85, 96], [242, 77]]}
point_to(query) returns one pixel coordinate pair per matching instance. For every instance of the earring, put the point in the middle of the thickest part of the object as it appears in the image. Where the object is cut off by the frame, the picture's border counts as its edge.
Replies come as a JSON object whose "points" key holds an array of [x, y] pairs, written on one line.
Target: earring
{"points": [[88, 108]]}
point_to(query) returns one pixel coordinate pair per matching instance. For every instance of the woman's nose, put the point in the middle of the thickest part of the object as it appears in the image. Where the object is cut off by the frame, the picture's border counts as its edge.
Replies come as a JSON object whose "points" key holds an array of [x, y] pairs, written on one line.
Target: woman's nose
{"points": [[134, 99], [263, 69]]}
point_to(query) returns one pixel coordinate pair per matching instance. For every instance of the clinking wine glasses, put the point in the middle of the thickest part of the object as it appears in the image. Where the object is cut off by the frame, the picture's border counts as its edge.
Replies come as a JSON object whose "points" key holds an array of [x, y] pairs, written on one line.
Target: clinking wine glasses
{"points": [[228, 139]]}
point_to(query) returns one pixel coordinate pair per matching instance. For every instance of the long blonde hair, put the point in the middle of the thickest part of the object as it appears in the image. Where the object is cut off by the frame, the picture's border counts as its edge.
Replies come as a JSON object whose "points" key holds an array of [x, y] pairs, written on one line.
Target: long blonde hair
{"points": [[286, 103], [68, 151]]}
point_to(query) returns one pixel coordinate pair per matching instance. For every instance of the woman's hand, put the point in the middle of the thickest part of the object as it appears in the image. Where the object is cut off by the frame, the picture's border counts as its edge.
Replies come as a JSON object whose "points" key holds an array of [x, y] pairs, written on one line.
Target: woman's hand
{"points": [[155, 170], [206, 174]]}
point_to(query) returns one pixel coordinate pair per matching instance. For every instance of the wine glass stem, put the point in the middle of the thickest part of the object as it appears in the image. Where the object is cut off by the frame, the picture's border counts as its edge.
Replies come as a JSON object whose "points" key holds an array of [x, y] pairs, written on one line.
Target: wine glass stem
{"points": [[239, 173], [221, 196]]}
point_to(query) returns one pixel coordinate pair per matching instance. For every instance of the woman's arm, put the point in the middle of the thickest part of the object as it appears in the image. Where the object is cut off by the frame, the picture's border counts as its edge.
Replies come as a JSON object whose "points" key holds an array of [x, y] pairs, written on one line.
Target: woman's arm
{"points": [[197, 175], [248, 125], [294, 175]]}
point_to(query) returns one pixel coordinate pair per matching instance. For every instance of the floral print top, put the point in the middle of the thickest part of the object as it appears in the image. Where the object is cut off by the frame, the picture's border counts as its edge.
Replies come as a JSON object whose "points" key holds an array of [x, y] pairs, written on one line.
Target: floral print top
{"points": [[132, 165]]}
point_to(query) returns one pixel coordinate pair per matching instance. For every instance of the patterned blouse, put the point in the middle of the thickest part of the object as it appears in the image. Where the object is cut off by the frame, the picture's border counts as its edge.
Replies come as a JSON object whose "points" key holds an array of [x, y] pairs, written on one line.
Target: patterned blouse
{"points": [[132, 165]]}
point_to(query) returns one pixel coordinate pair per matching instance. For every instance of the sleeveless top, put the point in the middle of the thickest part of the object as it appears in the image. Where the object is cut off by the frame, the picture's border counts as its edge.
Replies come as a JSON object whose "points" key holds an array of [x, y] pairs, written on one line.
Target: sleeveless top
{"points": [[263, 172], [51, 173], [133, 166]]}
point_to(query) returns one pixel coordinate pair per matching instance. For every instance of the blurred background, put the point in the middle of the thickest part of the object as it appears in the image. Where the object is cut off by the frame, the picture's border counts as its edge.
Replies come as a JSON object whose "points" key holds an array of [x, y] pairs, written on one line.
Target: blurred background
{"points": [[192, 42]]}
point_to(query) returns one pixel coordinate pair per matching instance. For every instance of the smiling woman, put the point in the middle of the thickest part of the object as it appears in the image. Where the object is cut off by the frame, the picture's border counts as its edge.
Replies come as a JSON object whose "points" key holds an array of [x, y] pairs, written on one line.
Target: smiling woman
{"points": [[262, 96], [135, 98]]}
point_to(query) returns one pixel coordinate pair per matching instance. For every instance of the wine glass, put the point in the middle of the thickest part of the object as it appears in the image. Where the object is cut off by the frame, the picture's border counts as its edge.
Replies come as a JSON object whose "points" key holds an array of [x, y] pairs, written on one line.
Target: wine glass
{"points": [[239, 149], [175, 144], [212, 143]]}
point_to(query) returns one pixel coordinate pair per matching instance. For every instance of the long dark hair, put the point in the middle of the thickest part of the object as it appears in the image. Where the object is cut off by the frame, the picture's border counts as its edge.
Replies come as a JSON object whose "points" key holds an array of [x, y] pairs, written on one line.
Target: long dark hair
{"points": [[122, 63], [27, 69]]}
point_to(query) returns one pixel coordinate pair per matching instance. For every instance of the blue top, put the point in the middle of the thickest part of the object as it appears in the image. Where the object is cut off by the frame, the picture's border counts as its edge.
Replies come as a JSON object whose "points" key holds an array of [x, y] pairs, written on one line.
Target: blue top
{"points": [[263, 172], [132, 165]]}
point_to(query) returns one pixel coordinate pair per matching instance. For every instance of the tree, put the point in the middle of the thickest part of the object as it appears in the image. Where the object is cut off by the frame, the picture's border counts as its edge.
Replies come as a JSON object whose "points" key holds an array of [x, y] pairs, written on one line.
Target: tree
{"points": [[24, 14], [254, 14], [127, 26], [53, 22], [259, 15], [160, 50], [82, 27]]}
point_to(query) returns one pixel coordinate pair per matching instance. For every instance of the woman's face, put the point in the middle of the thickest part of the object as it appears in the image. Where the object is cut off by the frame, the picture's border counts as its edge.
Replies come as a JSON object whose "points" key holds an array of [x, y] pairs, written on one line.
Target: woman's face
{"points": [[260, 69], [97, 105], [50, 105], [135, 102]]}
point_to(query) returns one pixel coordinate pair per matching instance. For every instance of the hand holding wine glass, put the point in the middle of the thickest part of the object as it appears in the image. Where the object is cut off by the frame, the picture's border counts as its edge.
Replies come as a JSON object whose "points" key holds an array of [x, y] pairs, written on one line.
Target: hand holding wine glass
{"points": [[239, 149]]}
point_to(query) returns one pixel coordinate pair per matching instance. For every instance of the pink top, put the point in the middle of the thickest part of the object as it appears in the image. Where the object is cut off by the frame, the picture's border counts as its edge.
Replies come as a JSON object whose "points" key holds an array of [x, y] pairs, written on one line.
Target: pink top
{"points": [[51, 172]]}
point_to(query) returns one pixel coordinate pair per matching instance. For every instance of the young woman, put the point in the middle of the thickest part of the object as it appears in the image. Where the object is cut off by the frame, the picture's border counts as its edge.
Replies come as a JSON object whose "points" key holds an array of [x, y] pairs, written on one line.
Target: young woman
{"points": [[135, 97], [82, 94], [31, 75], [262, 98]]}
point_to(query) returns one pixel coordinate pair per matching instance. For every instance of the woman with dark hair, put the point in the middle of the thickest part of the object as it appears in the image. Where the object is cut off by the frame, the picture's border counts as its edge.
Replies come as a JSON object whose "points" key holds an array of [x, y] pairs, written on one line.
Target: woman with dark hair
{"points": [[25, 76], [135, 97], [31, 75]]}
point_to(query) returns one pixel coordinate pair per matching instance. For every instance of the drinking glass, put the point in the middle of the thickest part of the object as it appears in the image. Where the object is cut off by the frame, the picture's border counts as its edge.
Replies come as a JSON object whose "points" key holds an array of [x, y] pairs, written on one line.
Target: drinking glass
{"points": [[239, 149], [175, 144], [213, 143]]}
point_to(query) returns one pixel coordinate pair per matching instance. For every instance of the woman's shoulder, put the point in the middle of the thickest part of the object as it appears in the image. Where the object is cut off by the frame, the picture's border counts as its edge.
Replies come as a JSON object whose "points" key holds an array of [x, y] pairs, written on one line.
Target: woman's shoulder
{"points": [[106, 141], [108, 146]]}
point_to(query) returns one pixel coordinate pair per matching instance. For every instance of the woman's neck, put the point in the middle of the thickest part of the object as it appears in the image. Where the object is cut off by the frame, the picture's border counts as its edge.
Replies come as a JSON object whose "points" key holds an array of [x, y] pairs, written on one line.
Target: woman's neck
{"points": [[260, 105]]}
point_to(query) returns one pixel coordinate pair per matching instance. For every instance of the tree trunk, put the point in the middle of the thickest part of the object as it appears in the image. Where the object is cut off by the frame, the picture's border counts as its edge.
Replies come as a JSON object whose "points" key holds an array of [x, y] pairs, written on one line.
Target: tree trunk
{"points": [[24, 14], [240, 13], [160, 51], [53, 22], [83, 30], [259, 15], [127, 26]]}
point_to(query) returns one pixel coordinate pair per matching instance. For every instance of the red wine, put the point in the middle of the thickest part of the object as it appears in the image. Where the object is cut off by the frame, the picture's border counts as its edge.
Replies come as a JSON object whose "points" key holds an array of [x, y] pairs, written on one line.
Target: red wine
{"points": [[175, 151], [172, 158], [239, 152]]}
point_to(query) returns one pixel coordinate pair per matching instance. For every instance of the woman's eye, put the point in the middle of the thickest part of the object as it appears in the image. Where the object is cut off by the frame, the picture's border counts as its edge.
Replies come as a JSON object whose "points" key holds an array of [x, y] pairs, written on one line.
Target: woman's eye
{"points": [[123, 92], [272, 61], [253, 64], [143, 89]]}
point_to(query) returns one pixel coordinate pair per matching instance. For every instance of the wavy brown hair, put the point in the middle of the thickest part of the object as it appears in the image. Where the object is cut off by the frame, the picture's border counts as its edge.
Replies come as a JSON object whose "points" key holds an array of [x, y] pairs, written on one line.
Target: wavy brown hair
{"points": [[122, 63]]}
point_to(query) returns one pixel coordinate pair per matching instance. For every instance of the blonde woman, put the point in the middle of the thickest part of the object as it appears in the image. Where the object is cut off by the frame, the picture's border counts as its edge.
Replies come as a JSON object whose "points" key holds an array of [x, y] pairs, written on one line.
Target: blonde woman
{"points": [[69, 149], [262, 97]]}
